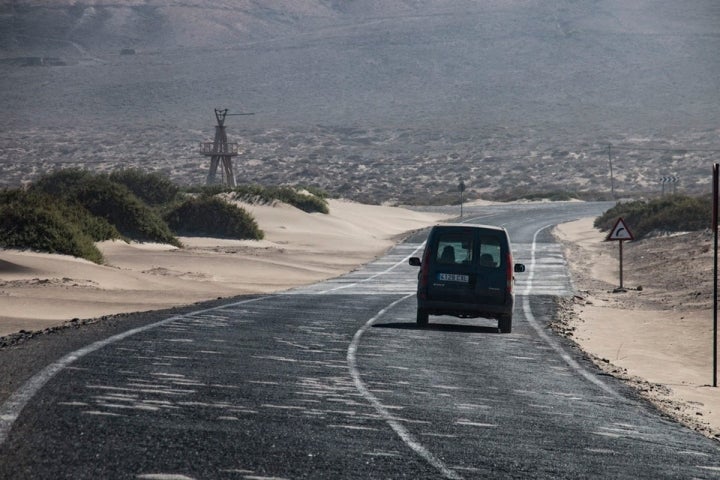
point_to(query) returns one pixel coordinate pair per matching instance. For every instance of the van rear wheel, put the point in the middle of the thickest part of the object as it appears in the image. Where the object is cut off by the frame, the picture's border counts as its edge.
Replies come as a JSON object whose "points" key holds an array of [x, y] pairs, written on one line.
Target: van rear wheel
{"points": [[422, 317], [505, 324]]}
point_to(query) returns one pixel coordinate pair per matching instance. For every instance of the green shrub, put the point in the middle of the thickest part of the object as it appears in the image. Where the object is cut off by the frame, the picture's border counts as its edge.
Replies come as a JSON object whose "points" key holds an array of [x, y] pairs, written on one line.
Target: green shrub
{"points": [[307, 203], [109, 200], [96, 228], [62, 183], [208, 190], [125, 211], [253, 193], [671, 213], [212, 216], [318, 192], [25, 225], [524, 193], [152, 188]]}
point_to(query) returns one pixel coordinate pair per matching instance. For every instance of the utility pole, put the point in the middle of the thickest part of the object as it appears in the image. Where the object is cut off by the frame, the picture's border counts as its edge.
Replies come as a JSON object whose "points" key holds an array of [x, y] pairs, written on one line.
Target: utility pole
{"points": [[612, 178]]}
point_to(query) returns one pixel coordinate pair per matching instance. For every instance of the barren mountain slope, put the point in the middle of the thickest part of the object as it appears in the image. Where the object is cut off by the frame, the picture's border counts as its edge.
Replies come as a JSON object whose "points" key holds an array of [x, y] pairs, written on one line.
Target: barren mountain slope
{"points": [[387, 99]]}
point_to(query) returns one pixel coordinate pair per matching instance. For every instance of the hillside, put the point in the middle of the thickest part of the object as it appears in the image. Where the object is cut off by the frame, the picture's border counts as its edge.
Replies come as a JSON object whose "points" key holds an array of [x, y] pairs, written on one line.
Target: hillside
{"points": [[375, 100]]}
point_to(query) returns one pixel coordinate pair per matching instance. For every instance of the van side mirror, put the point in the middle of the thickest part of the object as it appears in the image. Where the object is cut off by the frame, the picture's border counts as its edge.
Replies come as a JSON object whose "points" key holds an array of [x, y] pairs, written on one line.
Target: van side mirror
{"points": [[519, 268], [415, 261]]}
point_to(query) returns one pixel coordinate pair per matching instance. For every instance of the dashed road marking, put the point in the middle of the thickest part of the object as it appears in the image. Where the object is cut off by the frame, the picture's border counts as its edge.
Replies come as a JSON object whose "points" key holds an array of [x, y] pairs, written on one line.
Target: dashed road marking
{"points": [[163, 476], [469, 423], [399, 429]]}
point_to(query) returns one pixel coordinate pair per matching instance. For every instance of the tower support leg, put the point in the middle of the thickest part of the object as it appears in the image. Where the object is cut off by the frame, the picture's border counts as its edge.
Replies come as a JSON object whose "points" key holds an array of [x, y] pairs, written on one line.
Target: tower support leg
{"points": [[214, 161], [229, 173]]}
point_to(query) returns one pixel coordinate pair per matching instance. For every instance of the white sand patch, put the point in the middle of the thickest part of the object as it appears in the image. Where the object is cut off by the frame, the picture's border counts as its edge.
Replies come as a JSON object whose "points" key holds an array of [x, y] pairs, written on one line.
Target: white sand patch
{"points": [[654, 338]]}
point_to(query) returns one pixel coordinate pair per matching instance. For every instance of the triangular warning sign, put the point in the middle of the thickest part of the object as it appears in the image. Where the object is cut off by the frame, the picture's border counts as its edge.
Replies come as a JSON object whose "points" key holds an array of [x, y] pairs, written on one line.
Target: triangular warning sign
{"points": [[620, 231]]}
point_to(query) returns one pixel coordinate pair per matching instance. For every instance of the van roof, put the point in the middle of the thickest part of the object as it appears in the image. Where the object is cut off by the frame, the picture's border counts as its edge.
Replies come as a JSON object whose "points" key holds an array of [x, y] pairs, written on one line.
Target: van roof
{"points": [[471, 225]]}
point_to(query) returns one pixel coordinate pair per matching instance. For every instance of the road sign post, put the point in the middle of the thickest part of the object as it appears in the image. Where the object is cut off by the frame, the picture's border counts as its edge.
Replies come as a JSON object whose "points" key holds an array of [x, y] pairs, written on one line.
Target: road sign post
{"points": [[671, 180], [620, 232], [716, 169], [461, 187]]}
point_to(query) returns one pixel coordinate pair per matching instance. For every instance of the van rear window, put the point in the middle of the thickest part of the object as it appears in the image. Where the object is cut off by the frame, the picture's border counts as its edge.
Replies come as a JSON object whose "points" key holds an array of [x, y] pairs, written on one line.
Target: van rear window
{"points": [[490, 250], [455, 248]]}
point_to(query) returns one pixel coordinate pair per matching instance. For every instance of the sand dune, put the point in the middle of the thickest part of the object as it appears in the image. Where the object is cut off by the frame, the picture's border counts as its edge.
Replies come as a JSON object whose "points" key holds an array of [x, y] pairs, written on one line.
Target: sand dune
{"points": [[40, 290]]}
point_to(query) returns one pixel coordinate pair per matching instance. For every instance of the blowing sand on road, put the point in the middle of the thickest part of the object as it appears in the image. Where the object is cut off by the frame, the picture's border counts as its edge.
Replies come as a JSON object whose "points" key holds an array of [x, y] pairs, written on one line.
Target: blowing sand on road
{"points": [[628, 337]]}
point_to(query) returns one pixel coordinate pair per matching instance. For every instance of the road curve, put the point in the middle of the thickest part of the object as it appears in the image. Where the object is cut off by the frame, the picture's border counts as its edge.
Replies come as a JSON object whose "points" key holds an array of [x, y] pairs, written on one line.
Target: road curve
{"points": [[335, 380]]}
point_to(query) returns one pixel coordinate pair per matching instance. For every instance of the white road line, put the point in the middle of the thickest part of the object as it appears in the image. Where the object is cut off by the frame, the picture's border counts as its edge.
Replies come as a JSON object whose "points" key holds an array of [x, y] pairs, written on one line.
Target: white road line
{"points": [[541, 333], [10, 410], [404, 435], [384, 272]]}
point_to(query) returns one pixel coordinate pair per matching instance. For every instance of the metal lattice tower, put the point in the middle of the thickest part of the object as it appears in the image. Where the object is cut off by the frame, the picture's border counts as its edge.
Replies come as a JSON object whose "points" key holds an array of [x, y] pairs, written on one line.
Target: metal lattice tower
{"points": [[220, 152]]}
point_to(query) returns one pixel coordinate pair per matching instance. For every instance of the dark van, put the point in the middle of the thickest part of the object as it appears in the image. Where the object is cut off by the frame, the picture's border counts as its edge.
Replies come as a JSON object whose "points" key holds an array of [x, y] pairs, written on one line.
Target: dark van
{"points": [[467, 271]]}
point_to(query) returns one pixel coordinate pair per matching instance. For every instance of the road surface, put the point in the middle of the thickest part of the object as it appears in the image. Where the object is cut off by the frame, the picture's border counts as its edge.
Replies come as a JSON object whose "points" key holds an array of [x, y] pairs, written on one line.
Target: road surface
{"points": [[335, 380]]}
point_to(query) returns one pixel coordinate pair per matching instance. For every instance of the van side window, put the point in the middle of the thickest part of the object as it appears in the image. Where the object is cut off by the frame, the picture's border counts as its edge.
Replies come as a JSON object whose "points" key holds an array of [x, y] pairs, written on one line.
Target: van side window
{"points": [[490, 252], [455, 248]]}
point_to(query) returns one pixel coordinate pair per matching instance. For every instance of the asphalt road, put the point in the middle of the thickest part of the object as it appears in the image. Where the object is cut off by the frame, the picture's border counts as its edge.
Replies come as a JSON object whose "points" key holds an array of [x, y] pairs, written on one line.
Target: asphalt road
{"points": [[335, 380]]}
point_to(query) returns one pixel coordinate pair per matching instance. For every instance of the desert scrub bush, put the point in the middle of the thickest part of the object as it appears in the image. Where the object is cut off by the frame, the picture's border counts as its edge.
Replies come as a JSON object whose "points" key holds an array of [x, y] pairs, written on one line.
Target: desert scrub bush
{"points": [[551, 195], [109, 200], [525, 193], [213, 217], [125, 211], [252, 194], [43, 227], [208, 190], [307, 203], [62, 183], [316, 191], [152, 188], [671, 213], [95, 227]]}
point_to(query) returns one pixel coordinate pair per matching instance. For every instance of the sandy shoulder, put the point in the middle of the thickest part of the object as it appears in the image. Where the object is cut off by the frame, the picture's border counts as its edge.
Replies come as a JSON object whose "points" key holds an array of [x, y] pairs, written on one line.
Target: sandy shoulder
{"points": [[656, 338], [38, 290]]}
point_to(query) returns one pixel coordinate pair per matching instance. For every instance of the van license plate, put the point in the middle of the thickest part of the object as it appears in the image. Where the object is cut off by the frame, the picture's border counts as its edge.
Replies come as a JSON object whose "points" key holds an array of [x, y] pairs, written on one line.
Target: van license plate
{"points": [[453, 277]]}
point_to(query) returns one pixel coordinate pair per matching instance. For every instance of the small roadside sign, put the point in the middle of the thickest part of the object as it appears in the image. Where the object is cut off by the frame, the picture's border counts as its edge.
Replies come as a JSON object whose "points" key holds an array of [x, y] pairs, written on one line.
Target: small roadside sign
{"points": [[620, 231]]}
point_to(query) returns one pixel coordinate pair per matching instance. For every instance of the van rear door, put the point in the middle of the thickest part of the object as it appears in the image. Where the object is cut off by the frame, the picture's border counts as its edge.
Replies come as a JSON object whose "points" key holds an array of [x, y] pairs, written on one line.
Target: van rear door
{"points": [[467, 266], [491, 284], [452, 274]]}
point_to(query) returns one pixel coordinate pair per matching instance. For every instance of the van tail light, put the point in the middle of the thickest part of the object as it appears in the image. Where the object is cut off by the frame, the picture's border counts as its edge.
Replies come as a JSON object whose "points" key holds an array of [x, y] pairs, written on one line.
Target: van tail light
{"points": [[424, 273], [510, 274]]}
